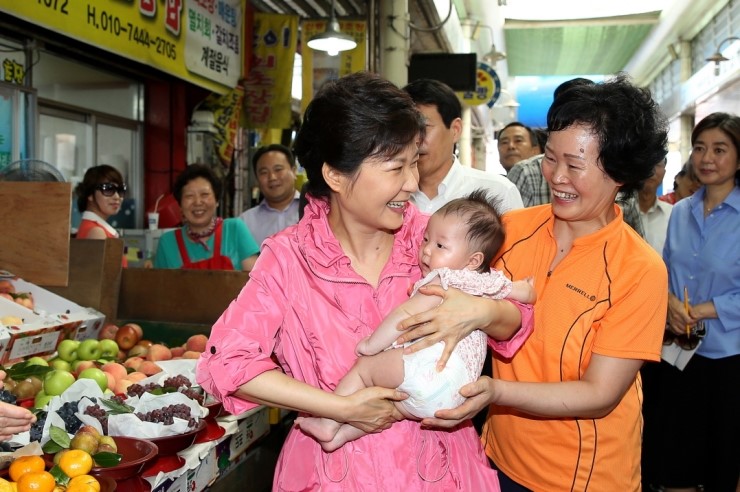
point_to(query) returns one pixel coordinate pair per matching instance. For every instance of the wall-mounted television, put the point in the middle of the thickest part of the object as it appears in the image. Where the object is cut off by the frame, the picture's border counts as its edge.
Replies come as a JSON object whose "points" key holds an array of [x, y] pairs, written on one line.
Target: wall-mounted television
{"points": [[458, 70]]}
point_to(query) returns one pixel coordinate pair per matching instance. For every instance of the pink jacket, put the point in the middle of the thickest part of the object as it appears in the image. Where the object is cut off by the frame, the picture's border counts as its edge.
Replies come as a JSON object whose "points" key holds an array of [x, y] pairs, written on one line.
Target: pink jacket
{"points": [[306, 305]]}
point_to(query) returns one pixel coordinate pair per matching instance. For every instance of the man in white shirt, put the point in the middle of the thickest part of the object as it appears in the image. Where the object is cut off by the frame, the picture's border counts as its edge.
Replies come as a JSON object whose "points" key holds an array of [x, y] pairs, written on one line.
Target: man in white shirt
{"points": [[441, 175], [275, 169], [654, 213]]}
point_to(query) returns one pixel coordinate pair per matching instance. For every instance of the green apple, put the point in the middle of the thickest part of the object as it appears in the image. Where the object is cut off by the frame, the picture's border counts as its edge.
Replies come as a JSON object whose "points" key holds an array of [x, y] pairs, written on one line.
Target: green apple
{"points": [[89, 349], [56, 381], [108, 349], [67, 350], [96, 375], [37, 361], [41, 399], [62, 364]]}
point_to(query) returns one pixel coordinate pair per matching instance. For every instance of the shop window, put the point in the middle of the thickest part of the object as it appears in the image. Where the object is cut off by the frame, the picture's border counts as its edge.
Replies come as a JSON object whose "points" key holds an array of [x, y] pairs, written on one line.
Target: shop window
{"points": [[16, 132], [74, 141]]}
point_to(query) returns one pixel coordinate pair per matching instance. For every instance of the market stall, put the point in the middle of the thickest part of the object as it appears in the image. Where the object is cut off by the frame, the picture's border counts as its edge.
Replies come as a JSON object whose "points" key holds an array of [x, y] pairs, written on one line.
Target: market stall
{"points": [[174, 309]]}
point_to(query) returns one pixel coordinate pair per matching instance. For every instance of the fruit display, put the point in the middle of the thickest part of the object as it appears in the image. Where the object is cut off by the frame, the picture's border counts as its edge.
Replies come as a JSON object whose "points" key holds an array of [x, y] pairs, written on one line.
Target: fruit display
{"points": [[166, 407], [68, 469], [7, 290]]}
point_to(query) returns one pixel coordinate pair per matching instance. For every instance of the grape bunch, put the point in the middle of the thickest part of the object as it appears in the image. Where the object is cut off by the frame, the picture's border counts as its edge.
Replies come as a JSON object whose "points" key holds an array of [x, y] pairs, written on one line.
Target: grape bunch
{"points": [[178, 382], [38, 427], [67, 412], [99, 413], [166, 415], [193, 394], [7, 397], [138, 389]]}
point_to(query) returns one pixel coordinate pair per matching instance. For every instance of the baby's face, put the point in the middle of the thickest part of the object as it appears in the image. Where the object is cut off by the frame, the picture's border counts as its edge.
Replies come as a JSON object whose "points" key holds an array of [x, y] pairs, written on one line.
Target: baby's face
{"points": [[444, 244]]}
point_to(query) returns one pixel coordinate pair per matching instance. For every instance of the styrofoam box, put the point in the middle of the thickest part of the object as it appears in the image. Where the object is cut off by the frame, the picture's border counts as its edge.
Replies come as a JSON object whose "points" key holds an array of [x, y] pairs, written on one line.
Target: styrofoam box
{"points": [[252, 425], [36, 335], [204, 474], [178, 484], [89, 322]]}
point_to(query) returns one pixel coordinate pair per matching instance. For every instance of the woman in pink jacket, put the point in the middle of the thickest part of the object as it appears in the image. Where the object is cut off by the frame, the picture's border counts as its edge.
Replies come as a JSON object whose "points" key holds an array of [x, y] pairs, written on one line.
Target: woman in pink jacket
{"points": [[322, 285]]}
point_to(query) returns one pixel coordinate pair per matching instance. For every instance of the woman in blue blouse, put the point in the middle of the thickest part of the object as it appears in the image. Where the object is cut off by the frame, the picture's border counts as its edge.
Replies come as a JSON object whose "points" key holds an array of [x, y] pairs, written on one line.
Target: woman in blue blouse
{"points": [[699, 419], [205, 241]]}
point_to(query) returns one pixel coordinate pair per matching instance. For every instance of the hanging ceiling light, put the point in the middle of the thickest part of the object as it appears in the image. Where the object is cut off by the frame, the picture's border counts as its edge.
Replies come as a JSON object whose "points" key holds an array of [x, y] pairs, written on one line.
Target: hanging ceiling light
{"points": [[717, 57], [494, 55], [331, 40]]}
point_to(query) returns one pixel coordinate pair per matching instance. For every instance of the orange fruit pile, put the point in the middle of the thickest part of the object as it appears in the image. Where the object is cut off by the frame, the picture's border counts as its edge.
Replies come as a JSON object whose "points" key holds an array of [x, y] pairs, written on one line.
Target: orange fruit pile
{"points": [[28, 474]]}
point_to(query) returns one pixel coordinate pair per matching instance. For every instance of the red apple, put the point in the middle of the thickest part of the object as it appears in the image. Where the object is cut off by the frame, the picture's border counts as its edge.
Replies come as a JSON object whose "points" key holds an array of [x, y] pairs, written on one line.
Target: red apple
{"points": [[108, 332], [137, 328], [126, 337]]}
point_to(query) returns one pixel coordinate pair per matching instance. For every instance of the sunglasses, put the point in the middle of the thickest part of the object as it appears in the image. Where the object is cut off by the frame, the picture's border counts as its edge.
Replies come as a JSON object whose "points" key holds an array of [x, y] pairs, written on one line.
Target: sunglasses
{"points": [[109, 189], [686, 342]]}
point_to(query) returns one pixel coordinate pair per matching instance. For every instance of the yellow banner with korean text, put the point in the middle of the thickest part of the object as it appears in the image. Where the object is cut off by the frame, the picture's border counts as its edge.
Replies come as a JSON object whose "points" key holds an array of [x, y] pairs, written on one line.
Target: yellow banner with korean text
{"points": [[227, 109], [270, 80], [200, 41], [319, 66]]}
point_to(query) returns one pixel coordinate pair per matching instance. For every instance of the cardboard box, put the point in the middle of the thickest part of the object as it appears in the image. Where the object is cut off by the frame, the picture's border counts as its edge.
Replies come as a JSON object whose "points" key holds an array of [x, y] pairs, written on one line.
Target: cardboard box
{"points": [[94, 275], [35, 223], [35, 335], [177, 296], [88, 321]]}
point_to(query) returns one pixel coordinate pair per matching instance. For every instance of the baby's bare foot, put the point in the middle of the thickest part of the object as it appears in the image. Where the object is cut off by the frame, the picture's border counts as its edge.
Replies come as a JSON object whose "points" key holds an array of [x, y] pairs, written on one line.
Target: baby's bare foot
{"points": [[323, 430]]}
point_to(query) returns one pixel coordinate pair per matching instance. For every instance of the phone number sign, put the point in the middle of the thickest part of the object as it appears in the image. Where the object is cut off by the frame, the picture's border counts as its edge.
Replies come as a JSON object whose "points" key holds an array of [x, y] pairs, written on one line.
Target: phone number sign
{"points": [[200, 41]]}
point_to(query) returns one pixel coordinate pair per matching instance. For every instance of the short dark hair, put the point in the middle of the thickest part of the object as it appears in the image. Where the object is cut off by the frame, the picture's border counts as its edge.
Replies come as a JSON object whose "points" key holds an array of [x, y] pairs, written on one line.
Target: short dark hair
{"points": [[631, 131], [569, 84], [94, 177], [194, 171], [485, 230], [435, 93], [728, 124], [273, 148], [533, 140], [358, 116]]}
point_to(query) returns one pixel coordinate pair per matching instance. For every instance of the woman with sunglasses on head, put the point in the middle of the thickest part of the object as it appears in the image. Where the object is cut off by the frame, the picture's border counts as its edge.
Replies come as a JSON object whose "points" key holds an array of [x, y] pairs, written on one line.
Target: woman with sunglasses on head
{"points": [[99, 196], [696, 425]]}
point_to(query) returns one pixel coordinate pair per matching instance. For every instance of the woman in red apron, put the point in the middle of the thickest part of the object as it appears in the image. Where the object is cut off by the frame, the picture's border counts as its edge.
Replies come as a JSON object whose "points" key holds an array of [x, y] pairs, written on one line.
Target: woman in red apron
{"points": [[205, 241]]}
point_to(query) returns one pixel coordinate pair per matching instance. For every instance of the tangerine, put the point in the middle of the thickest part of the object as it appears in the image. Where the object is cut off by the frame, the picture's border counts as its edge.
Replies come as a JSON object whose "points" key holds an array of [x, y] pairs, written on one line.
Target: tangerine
{"points": [[36, 481], [76, 462], [24, 464], [83, 483]]}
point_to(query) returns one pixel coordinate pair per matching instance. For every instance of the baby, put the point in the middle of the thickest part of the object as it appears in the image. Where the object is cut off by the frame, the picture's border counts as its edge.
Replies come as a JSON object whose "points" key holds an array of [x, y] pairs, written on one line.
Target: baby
{"points": [[458, 247]]}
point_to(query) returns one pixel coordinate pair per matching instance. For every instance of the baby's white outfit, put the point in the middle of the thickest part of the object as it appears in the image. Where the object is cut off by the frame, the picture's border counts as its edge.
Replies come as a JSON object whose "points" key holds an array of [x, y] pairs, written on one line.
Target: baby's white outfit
{"points": [[430, 390]]}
